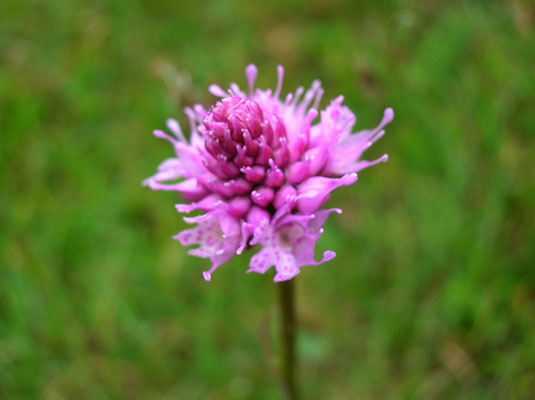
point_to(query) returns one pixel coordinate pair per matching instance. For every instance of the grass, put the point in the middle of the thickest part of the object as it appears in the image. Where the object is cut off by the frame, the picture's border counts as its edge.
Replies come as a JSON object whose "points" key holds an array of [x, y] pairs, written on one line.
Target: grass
{"points": [[432, 294]]}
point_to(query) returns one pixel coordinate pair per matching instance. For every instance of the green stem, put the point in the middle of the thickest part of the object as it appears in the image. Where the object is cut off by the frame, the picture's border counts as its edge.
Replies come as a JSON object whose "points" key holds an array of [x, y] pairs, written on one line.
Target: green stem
{"points": [[288, 333]]}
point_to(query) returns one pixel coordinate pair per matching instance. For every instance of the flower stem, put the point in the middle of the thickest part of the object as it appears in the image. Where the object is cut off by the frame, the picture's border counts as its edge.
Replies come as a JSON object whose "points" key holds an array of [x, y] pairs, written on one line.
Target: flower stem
{"points": [[288, 333]]}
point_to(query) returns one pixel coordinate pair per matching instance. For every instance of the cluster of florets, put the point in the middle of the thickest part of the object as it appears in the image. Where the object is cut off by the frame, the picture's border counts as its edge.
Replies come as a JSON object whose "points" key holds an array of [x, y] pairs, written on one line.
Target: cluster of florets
{"points": [[260, 169]]}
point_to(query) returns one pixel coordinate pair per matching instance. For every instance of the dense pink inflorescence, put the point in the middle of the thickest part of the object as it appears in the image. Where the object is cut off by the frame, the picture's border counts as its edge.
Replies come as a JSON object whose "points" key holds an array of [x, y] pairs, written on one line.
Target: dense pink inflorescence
{"points": [[259, 169]]}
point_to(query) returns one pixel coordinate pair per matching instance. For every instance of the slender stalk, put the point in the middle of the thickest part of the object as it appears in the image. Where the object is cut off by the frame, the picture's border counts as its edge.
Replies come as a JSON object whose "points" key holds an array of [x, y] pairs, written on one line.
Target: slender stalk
{"points": [[288, 333]]}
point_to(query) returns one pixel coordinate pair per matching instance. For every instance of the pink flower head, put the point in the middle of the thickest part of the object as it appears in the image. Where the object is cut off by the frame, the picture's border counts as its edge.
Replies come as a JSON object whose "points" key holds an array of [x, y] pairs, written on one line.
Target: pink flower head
{"points": [[259, 168]]}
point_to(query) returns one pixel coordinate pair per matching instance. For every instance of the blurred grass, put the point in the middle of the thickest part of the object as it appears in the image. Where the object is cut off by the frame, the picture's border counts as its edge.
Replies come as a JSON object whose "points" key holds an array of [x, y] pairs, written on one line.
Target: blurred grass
{"points": [[432, 294]]}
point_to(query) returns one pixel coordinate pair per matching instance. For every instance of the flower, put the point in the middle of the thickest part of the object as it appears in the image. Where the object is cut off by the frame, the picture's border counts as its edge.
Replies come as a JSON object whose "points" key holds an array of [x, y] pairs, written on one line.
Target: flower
{"points": [[259, 169]]}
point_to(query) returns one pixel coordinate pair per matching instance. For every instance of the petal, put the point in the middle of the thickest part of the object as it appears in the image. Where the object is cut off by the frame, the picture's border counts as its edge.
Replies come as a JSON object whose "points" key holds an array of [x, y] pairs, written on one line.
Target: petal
{"points": [[336, 124], [209, 203], [169, 169], [247, 230], [251, 72], [315, 191], [260, 220], [280, 77], [344, 155], [359, 165], [290, 245], [304, 248], [174, 126], [276, 252], [218, 236], [217, 91]]}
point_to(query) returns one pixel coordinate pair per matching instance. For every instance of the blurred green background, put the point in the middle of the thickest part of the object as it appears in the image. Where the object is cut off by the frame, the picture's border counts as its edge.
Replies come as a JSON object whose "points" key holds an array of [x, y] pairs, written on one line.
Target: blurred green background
{"points": [[432, 295]]}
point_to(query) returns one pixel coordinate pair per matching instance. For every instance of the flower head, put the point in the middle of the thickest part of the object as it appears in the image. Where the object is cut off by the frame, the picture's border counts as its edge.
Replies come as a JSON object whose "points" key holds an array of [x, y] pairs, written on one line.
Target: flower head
{"points": [[259, 168]]}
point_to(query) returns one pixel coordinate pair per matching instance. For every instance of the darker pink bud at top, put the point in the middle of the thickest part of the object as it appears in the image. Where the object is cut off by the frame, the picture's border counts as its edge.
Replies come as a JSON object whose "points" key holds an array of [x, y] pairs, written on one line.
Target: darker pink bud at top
{"points": [[285, 195], [262, 196], [239, 206]]}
